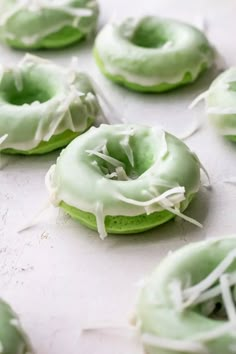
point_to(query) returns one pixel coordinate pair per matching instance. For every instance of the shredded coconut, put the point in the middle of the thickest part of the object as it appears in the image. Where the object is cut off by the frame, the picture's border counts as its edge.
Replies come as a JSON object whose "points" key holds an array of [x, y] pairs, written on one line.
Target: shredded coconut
{"points": [[194, 292], [178, 345], [100, 218], [121, 174], [128, 150], [164, 147], [176, 190], [231, 180], [111, 160], [198, 99], [3, 138], [176, 294], [35, 219], [227, 298], [191, 131], [177, 212]]}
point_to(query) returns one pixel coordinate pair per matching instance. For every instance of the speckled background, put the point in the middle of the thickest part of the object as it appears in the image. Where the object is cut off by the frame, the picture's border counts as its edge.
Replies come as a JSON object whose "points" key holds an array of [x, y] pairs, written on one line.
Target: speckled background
{"points": [[60, 276]]}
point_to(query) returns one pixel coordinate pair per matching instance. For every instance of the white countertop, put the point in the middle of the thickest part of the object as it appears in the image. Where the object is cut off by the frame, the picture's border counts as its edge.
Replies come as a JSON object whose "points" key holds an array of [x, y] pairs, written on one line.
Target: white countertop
{"points": [[58, 275]]}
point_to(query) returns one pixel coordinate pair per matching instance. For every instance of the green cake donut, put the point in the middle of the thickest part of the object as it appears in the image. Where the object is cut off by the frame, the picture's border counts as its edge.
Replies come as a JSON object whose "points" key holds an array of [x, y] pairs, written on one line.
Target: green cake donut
{"points": [[34, 24], [221, 103], [43, 107], [124, 178], [152, 54], [188, 304], [12, 338]]}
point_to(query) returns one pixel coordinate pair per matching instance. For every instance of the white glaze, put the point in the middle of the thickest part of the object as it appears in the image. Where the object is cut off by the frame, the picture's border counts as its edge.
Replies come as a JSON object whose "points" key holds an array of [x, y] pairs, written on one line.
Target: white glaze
{"points": [[121, 203], [55, 116], [37, 6], [104, 41], [220, 103], [154, 80]]}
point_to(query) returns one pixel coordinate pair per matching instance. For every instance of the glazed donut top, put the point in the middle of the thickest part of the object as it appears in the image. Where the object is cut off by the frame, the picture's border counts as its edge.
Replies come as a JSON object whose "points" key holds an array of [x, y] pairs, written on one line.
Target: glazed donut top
{"points": [[124, 170], [177, 306], [221, 101], [38, 100], [153, 50], [60, 13]]}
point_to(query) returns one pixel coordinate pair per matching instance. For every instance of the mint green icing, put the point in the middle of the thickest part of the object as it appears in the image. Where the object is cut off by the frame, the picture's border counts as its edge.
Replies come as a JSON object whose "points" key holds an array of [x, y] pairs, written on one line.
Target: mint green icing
{"points": [[43, 107], [156, 311], [220, 103], [152, 54], [111, 177], [46, 23], [12, 338]]}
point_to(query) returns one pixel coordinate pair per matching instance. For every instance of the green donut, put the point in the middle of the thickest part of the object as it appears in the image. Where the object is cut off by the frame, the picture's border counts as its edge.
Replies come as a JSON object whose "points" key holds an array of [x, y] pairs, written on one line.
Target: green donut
{"points": [[152, 54], [186, 305], [43, 107], [35, 24], [221, 103], [124, 179], [12, 338]]}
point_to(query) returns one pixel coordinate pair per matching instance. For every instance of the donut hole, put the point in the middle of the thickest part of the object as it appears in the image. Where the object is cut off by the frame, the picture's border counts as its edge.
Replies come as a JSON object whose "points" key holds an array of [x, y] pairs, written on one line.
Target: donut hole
{"points": [[214, 309], [132, 158], [28, 96], [149, 34], [26, 89]]}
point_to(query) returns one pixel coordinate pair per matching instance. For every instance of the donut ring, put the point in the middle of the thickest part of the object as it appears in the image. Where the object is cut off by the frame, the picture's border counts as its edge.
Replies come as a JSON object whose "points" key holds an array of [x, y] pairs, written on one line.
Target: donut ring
{"points": [[187, 306], [152, 54], [43, 107], [220, 104], [131, 178], [12, 338], [35, 24]]}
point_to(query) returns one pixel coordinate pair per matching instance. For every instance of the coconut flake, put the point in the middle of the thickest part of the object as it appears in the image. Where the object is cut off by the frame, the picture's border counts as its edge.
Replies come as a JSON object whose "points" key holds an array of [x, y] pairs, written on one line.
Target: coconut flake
{"points": [[49, 182], [198, 99], [100, 219], [35, 219], [111, 160], [107, 326], [121, 174], [176, 294], [177, 345], [111, 110], [192, 293], [3, 138], [231, 180], [177, 212], [214, 291], [208, 185], [227, 298], [164, 147], [191, 131], [202, 23], [168, 193], [128, 150]]}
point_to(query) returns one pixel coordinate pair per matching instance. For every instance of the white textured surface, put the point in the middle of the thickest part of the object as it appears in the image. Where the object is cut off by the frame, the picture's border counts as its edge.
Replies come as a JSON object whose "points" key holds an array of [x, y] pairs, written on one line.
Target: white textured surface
{"points": [[60, 276]]}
